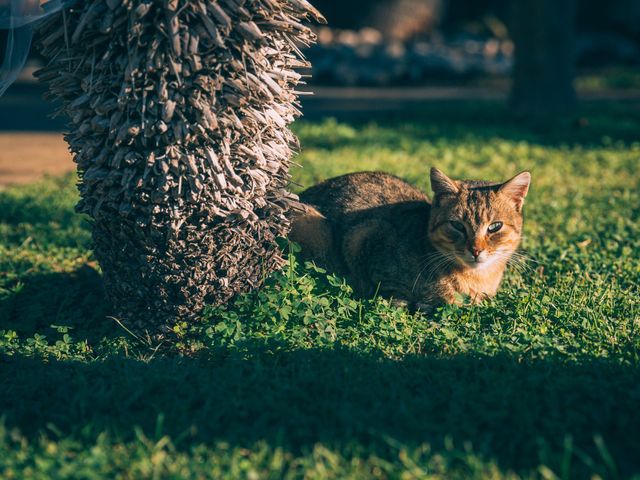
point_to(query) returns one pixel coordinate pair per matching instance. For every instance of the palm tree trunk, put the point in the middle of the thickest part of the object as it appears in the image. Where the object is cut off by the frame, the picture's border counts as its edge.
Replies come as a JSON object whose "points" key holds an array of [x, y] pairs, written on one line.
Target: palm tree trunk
{"points": [[179, 112]]}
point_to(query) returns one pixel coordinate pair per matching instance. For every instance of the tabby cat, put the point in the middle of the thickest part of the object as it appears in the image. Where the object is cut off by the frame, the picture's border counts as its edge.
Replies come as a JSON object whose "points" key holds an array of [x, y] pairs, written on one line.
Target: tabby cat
{"points": [[389, 239]]}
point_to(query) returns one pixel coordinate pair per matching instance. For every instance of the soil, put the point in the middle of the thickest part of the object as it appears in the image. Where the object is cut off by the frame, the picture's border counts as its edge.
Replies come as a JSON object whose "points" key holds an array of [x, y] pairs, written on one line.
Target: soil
{"points": [[27, 156]]}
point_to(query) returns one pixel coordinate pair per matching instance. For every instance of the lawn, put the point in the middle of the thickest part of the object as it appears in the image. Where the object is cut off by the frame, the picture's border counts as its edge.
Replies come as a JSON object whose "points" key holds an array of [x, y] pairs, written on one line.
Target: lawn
{"points": [[301, 380]]}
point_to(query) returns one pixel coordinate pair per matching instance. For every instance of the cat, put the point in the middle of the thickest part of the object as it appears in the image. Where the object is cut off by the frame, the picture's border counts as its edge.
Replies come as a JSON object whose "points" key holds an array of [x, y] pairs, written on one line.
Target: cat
{"points": [[389, 239]]}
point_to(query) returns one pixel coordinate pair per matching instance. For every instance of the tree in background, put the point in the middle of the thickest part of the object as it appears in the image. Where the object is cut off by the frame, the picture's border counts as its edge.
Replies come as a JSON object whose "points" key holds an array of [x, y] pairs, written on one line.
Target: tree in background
{"points": [[543, 33], [179, 112]]}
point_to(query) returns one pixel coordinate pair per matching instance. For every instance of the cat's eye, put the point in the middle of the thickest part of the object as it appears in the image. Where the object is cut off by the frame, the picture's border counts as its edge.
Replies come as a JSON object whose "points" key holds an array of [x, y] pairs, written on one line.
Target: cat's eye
{"points": [[458, 226], [494, 227]]}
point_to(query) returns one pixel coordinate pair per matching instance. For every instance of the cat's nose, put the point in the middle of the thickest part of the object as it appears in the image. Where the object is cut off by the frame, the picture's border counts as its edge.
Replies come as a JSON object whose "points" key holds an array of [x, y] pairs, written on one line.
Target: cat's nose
{"points": [[475, 252]]}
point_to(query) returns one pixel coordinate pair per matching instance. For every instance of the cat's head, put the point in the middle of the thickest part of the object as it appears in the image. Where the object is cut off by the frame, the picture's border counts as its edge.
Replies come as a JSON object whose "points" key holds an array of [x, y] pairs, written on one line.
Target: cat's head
{"points": [[477, 223]]}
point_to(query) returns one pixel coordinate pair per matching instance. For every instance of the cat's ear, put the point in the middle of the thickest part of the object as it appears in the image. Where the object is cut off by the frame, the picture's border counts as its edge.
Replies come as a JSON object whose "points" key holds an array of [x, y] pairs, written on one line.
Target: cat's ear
{"points": [[441, 184], [516, 188]]}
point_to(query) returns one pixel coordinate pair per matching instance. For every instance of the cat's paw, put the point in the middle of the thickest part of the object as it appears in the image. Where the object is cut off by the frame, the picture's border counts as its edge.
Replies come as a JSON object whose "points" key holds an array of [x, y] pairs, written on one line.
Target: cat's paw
{"points": [[399, 303], [421, 307]]}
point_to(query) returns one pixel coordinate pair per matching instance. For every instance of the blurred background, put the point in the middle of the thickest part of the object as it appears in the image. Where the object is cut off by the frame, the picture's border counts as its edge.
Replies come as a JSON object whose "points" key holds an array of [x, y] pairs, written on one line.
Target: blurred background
{"points": [[538, 58], [391, 42]]}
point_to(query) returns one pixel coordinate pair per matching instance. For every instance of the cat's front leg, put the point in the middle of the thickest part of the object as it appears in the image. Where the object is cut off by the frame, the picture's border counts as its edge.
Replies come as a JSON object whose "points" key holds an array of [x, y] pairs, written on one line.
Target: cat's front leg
{"points": [[436, 294], [479, 297], [400, 303], [423, 308], [395, 297], [312, 231]]}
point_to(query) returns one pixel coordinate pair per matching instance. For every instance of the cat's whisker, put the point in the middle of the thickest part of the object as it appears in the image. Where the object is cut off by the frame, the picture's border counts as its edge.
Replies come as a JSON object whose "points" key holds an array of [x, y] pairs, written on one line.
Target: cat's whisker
{"points": [[516, 261], [427, 258], [441, 260], [445, 261], [527, 259], [518, 267], [521, 267], [523, 259], [429, 255]]}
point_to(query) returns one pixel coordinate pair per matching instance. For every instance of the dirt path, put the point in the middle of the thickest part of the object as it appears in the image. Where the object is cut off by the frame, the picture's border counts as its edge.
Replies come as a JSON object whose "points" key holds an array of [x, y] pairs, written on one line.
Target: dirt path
{"points": [[27, 156]]}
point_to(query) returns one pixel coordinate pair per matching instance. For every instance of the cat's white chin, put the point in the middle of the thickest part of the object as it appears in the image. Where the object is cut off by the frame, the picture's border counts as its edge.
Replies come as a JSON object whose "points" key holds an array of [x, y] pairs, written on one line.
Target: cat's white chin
{"points": [[477, 265], [482, 262]]}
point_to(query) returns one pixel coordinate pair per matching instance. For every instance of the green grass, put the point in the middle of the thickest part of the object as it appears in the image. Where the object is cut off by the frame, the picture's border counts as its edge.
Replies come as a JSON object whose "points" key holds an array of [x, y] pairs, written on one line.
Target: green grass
{"points": [[611, 78], [300, 380]]}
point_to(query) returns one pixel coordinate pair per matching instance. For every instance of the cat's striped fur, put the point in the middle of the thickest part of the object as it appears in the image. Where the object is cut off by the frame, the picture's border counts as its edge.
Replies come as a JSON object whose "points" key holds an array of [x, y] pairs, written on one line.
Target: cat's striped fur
{"points": [[386, 236]]}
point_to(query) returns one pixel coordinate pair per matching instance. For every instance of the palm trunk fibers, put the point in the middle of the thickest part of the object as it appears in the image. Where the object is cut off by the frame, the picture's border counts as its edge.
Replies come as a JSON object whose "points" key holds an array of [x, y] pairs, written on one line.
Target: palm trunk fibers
{"points": [[179, 114]]}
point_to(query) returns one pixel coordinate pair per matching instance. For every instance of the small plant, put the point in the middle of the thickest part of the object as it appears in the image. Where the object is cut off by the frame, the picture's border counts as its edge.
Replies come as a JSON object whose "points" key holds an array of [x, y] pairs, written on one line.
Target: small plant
{"points": [[301, 302]]}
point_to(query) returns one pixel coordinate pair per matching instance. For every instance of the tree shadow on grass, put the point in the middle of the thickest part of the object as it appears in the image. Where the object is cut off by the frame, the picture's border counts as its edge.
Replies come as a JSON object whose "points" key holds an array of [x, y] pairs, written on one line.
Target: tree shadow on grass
{"points": [[259, 391], [70, 299]]}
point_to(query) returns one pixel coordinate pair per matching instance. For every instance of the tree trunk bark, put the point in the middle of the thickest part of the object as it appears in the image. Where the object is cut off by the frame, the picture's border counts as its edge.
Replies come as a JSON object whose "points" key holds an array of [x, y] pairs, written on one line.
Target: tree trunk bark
{"points": [[179, 112], [543, 33]]}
